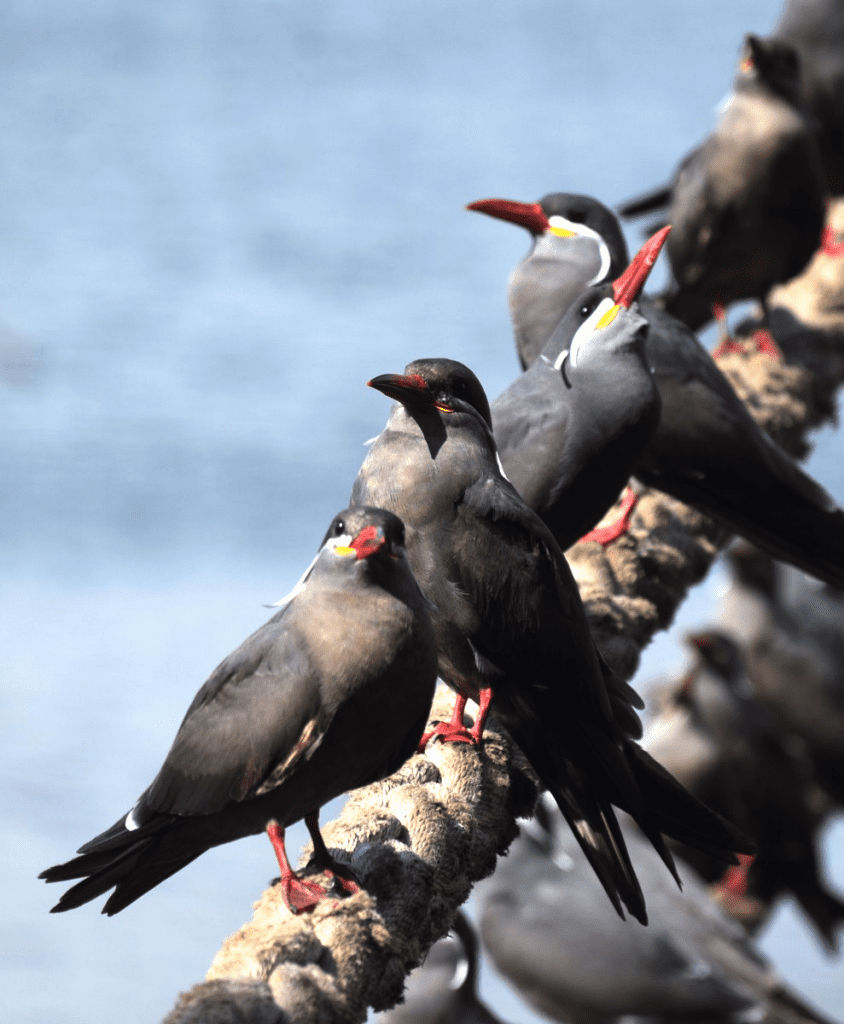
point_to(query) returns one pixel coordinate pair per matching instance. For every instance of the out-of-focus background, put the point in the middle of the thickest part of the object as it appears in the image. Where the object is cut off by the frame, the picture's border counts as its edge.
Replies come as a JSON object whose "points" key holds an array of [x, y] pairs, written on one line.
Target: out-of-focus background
{"points": [[217, 221]]}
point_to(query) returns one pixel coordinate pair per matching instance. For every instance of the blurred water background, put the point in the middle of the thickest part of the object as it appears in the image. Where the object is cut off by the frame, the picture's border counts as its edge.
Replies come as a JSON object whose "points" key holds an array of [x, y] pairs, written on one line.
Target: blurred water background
{"points": [[218, 220]]}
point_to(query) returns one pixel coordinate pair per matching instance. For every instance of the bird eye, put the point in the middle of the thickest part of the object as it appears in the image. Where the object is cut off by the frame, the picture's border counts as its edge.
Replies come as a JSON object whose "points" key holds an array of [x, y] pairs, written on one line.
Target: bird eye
{"points": [[339, 527], [588, 307]]}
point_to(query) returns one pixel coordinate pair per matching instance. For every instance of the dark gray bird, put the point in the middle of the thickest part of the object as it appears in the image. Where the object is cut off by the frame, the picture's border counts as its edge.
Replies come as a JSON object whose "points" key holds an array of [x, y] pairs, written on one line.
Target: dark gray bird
{"points": [[331, 694], [546, 925], [746, 206], [707, 450], [509, 617], [815, 28], [794, 655], [728, 750], [444, 989], [571, 429]]}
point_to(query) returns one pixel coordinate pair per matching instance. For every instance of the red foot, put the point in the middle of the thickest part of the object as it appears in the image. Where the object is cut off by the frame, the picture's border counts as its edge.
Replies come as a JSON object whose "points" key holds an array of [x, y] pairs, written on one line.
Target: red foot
{"points": [[300, 895], [829, 247], [765, 344], [455, 731], [762, 340], [346, 885], [621, 524], [731, 890], [725, 346], [297, 893]]}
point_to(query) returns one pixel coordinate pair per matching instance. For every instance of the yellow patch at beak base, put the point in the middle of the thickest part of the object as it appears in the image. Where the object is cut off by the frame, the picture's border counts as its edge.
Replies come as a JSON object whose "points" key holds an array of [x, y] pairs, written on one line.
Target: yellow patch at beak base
{"points": [[608, 317], [561, 232], [343, 550]]}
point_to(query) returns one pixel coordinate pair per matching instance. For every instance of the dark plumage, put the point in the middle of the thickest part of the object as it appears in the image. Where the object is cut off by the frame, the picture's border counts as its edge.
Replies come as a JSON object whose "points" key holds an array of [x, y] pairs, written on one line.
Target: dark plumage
{"points": [[794, 654], [572, 427], [707, 450], [815, 28], [331, 694], [509, 617], [546, 925], [728, 750], [746, 206]]}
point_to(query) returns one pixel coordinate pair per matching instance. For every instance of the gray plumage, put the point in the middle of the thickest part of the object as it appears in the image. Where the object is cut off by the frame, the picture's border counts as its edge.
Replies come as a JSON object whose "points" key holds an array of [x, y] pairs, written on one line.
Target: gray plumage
{"points": [[707, 449], [509, 619], [544, 923], [747, 205], [331, 694]]}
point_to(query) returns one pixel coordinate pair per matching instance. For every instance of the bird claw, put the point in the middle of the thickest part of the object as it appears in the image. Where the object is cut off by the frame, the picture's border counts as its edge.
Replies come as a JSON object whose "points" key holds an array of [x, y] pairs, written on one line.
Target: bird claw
{"points": [[300, 895], [448, 732]]}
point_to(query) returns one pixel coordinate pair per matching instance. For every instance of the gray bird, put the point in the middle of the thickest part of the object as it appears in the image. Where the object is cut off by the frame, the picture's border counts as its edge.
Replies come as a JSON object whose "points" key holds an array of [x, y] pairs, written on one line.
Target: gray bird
{"points": [[747, 206], [331, 694], [444, 989], [571, 428], [728, 750], [546, 926], [815, 28], [707, 450], [509, 617], [794, 655]]}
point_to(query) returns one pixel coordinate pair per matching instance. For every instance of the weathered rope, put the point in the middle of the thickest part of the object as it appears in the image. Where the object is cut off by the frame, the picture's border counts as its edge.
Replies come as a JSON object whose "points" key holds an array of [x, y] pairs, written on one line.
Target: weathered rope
{"points": [[420, 839]]}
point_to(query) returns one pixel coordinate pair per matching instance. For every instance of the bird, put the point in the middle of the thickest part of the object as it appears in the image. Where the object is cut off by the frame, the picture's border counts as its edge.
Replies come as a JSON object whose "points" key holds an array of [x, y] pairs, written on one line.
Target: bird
{"points": [[788, 641], [707, 450], [571, 428], [509, 618], [444, 989], [727, 749], [544, 923], [332, 693], [815, 28], [747, 205]]}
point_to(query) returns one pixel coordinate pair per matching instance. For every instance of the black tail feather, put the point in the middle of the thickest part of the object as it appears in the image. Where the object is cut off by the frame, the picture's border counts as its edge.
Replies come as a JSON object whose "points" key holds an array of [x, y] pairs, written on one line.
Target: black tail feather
{"points": [[656, 199]]}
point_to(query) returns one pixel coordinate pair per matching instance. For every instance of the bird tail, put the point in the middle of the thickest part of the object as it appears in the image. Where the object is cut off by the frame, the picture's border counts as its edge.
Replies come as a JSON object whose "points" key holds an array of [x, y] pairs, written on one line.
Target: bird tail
{"points": [[785, 513], [596, 829], [120, 859], [673, 811]]}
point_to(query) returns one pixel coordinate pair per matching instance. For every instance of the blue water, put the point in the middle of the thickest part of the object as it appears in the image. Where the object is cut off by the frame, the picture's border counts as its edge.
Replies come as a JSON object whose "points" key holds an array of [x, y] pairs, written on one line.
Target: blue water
{"points": [[218, 220]]}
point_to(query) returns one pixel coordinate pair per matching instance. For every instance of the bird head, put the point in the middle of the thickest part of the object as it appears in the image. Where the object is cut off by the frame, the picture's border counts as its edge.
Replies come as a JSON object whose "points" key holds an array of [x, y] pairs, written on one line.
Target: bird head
{"points": [[364, 532], [443, 386], [560, 217], [605, 315]]}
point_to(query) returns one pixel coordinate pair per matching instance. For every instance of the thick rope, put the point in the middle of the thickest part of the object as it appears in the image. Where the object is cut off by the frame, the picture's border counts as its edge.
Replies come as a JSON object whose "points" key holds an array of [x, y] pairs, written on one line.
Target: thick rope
{"points": [[419, 840]]}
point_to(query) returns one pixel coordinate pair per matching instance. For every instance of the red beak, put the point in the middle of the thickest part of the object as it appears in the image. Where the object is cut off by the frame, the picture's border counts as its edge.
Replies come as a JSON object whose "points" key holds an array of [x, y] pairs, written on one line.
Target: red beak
{"points": [[527, 215], [627, 287]]}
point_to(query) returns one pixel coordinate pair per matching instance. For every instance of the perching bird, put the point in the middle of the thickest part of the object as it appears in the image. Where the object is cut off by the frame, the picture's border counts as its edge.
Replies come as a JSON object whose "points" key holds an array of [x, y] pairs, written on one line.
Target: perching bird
{"points": [[728, 750], [571, 429], [815, 28], [707, 450], [746, 206], [786, 643], [546, 925], [444, 989], [331, 694], [509, 617]]}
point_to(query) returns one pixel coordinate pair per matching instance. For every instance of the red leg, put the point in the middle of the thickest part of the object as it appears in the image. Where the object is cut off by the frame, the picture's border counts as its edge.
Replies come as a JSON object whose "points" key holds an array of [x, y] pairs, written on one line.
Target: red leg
{"points": [[297, 893], [621, 524], [455, 731], [725, 342], [731, 890], [343, 878]]}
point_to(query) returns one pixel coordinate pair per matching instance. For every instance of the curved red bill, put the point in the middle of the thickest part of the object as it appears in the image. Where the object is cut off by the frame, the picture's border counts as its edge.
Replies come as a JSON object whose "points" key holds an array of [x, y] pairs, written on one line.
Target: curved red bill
{"points": [[401, 386], [627, 287], [368, 541], [527, 215]]}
